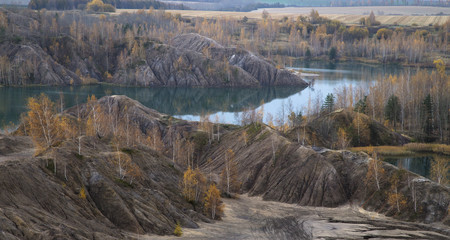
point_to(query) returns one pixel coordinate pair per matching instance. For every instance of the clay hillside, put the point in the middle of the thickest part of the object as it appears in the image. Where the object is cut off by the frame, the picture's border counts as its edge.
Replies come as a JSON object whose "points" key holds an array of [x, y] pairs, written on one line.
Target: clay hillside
{"points": [[360, 130], [32, 55], [124, 178]]}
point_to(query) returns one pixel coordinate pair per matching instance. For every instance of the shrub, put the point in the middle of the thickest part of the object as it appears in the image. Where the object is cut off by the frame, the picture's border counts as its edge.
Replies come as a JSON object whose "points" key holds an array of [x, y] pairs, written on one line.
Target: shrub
{"points": [[178, 231], [88, 80], [82, 193], [384, 33], [99, 6], [16, 39]]}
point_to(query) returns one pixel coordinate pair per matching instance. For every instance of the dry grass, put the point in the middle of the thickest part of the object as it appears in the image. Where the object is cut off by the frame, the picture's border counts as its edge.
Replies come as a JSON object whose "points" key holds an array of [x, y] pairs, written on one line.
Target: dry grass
{"points": [[423, 147], [383, 150], [88, 81], [407, 149], [393, 20]]}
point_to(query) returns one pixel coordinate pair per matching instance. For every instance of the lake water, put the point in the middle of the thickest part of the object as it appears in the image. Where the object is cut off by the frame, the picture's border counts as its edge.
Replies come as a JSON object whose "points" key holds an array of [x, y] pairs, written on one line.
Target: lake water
{"points": [[189, 103], [418, 163]]}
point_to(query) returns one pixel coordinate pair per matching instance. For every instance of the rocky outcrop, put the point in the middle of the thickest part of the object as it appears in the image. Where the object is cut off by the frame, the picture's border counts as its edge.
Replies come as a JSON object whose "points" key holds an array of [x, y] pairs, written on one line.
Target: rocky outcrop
{"points": [[25, 56], [196, 61], [260, 69], [359, 128], [61, 194], [277, 169], [48, 57], [36, 67], [84, 198], [165, 65]]}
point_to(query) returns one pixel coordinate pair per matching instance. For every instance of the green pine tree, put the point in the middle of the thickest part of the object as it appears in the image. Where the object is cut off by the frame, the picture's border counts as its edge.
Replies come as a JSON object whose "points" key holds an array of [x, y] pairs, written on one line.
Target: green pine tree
{"points": [[392, 110], [328, 105], [308, 53], [332, 54], [427, 114], [361, 105]]}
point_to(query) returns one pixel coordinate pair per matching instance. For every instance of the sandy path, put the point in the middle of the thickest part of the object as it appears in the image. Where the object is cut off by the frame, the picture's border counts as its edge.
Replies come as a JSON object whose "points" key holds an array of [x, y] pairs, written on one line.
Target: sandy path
{"points": [[253, 218]]}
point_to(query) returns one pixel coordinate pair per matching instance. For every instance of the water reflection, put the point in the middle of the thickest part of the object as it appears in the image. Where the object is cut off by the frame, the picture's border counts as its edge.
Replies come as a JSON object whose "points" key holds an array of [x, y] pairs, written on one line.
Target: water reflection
{"points": [[189, 103], [173, 101], [420, 164]]}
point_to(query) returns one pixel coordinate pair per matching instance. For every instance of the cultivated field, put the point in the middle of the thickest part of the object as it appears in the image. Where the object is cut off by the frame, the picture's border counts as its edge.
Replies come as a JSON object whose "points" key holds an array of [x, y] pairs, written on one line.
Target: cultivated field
{"points": [[406, 16], [378, 10]]}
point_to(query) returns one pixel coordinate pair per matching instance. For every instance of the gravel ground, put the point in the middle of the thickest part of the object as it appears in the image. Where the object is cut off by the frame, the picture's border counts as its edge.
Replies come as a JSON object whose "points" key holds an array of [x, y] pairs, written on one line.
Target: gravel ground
{"points": [[253, 218]]}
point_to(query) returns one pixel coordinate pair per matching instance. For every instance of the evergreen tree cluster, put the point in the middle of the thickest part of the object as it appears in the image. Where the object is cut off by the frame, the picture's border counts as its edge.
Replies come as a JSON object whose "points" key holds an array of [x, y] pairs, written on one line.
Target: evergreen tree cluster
{"points": [[392, 110], [328, 105], [82, 4]]}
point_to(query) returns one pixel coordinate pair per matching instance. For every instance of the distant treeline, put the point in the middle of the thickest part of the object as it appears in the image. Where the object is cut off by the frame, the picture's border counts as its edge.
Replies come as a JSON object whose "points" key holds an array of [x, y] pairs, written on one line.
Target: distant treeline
{"points": [[81, 4], [251, 7], [354, 3]]}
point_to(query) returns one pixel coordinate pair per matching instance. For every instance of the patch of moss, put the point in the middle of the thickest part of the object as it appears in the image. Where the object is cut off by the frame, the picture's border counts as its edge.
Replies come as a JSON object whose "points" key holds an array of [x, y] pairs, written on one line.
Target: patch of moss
{"points": [[128, 150], [229, 126], [200, 140], [50, 165], [16, 39], [78, 156], [123, 183], [263, 136], [253, 130], [148, 44]]}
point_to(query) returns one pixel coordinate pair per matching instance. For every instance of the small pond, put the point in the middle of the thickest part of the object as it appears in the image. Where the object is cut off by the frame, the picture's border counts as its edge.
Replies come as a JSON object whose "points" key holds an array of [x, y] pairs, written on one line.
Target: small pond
{"points": [[418, 163]]}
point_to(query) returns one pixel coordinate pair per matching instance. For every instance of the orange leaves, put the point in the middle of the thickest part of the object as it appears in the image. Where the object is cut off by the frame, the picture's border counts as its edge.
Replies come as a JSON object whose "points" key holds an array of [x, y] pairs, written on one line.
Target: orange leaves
{"points": [[3, 20], [194, 185], [361, 124], [396, 198], [44, 125], [94, 117], [375, 172], [440, 167], [82, 193], [194, 191], [343, 140], [213, 203], [132, 171], [440, 66], [126, 168], [244, 137]]}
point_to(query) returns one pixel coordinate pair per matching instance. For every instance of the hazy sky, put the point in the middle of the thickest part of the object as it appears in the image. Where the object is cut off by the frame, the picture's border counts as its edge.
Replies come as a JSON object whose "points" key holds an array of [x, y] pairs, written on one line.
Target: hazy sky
{"points": [[24, 2]]}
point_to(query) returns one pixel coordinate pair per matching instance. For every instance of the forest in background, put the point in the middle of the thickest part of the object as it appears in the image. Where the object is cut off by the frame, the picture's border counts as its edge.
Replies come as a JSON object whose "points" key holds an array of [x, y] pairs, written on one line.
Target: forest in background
{"points": [[329, 3], [417, 104], [209, 160]]}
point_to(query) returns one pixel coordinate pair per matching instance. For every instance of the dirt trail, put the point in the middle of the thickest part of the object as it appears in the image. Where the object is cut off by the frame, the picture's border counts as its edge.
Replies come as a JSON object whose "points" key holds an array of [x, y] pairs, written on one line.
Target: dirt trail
{"points": [[253, 218]]}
